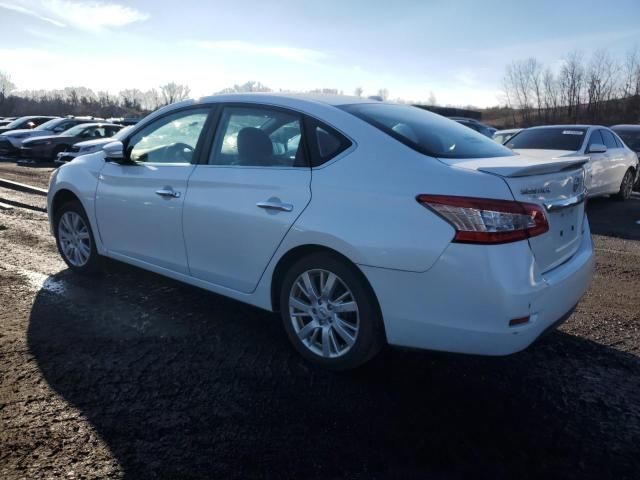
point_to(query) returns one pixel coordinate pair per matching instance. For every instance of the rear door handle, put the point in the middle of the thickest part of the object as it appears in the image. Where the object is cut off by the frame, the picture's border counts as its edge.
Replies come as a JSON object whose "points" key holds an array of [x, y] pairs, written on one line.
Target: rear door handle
{"points": [[275, 205], [168, 192]]}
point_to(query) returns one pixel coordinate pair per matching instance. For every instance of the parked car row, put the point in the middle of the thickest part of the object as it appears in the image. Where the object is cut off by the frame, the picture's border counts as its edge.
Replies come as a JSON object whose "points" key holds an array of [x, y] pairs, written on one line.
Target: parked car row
{"points": [[48, 138]]}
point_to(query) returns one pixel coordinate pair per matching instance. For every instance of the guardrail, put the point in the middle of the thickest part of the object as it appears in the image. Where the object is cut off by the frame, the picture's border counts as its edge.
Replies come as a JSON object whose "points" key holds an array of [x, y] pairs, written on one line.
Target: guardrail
{"points": [[22, 187]]}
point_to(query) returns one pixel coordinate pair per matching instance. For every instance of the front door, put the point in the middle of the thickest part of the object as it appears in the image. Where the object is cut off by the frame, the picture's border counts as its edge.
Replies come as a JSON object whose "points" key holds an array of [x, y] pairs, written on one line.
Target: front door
{"points": [[139, 204], [244, 200]]}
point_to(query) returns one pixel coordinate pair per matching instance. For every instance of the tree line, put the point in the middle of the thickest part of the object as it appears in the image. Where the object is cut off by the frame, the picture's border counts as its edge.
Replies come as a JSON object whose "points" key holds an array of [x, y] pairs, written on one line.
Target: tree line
{"points": [[85, 101], [594, 89]]}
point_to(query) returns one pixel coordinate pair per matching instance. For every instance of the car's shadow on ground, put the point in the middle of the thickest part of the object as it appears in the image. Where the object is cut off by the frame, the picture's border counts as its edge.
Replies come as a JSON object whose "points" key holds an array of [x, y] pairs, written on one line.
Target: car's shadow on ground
{"points": [[615, 219], [181, 383]]}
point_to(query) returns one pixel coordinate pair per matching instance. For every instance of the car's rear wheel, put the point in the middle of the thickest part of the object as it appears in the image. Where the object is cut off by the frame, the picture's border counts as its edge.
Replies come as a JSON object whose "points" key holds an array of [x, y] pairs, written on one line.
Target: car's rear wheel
{"points": [[626, 187], [75, 239], [330, 312]]}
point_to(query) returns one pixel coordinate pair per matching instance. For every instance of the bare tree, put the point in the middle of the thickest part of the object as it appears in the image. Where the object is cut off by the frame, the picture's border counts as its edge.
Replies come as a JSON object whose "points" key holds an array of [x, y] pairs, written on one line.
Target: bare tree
{"points": [[600, 82], [383, 93], [631, 74], [6, 86], [551, 95], [572, 84], [174, 92], [358, 91], [432, 101], [131, 98], [151, 100], [250, 86]]}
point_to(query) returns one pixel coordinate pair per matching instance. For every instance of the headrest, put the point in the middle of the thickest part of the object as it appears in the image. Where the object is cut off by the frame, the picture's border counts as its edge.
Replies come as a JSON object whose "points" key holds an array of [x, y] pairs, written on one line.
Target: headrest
{"points": [[254, 146]]}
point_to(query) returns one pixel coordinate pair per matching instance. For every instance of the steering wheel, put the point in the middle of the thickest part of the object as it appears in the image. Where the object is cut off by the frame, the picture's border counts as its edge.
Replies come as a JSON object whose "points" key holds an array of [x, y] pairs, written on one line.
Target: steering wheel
{"points": [[180, 151]]}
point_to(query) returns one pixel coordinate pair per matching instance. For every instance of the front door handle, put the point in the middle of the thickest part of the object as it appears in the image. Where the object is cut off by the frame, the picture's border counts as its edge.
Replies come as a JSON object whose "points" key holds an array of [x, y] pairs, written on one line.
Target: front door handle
{"points": [[168, 192], [275, 205]]}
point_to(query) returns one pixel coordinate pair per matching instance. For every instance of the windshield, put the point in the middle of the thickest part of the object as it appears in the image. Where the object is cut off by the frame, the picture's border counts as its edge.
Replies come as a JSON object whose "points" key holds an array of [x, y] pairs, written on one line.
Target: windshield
{"points": [[631, 138], [50, 125], [427, 132], [74, 131], [18, 122], [556, 138]]}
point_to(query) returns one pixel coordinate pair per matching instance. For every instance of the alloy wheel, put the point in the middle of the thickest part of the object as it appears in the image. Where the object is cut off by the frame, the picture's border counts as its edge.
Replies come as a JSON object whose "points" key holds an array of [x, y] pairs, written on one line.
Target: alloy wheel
{"points": [[75, 241], [324, 313]]}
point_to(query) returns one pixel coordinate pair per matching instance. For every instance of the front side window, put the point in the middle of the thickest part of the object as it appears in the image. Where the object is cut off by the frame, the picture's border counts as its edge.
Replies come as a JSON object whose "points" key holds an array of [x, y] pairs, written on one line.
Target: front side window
{"points": [[609, 141], [595, 138], [170, 139], [549, 138], [427, 132], [258, 137]]}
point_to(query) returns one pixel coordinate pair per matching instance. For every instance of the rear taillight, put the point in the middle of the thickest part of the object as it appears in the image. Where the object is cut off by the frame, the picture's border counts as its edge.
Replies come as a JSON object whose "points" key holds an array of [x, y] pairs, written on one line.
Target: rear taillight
{"points": [[481, 220]]}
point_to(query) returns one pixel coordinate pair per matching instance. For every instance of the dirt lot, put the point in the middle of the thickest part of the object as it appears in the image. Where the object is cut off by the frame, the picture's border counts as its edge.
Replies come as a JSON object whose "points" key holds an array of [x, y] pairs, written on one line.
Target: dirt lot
{"points": [[133, 375]]}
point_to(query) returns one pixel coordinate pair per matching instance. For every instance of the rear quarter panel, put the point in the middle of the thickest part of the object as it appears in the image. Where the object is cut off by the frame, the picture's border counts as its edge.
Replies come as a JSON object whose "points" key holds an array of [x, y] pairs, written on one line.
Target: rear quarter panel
{"points": [[364, 203]]}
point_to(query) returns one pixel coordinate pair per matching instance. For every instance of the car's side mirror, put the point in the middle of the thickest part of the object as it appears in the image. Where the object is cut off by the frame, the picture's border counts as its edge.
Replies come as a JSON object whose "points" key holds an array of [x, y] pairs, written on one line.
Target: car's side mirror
{"points": [[597, 148], [114, 152]]}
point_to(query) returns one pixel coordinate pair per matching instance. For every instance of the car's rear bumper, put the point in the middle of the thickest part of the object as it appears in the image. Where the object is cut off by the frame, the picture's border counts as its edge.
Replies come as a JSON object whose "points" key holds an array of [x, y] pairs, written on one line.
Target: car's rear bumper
{"points": [[465, 301]]}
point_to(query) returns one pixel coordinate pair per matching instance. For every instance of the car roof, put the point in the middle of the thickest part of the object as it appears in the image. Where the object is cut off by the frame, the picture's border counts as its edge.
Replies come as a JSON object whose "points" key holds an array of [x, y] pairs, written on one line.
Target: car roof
{"points": [[567, 126], [509, 130], [97, 124], [626, 127], [328, 99]]}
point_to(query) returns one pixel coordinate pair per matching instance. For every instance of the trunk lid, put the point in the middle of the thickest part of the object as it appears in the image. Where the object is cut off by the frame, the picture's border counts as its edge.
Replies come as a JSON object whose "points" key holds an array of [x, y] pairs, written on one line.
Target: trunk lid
{"points": [[554, 182]]}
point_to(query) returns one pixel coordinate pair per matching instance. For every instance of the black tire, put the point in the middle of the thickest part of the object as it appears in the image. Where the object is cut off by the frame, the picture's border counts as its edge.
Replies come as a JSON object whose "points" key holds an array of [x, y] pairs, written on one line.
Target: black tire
{"points": [[626, 187], [94, 263], [370, 337]]}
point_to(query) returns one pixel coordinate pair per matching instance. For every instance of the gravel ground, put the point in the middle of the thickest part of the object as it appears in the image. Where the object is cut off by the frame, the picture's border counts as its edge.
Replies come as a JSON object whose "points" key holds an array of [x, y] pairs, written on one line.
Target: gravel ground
{"points": [[131, 375]]}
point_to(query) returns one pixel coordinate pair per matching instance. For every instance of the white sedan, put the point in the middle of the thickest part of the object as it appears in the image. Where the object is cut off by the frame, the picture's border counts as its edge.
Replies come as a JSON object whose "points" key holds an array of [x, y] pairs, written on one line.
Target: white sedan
{"points": [[361, 222], [612, 167]]}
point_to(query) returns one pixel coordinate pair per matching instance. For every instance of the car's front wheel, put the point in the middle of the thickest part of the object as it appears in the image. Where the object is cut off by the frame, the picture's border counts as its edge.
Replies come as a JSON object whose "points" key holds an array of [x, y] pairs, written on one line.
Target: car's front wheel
{"points": [[330, 312], [75, 239], [626, 187]]}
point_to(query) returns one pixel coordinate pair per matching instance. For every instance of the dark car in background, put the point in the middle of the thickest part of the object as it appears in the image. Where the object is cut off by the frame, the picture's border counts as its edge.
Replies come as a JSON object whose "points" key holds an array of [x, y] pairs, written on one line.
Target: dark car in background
{"points": [[630, 134], [474, 124], [47, 148], [11, 142], [31, 121], [89, 146]]}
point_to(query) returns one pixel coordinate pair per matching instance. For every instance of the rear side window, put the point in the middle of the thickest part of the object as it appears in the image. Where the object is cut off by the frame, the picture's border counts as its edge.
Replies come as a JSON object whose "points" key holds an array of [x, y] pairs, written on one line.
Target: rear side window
{"points": [[609, 141], [556, 138], [427, 132], [631, 138], [325, 142]]}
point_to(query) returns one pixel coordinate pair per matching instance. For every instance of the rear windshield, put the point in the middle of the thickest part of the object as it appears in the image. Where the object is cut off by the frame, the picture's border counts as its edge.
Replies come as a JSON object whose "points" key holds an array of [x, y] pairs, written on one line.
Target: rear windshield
{"points": [[427, 132], [560, 138], [630, 137]]}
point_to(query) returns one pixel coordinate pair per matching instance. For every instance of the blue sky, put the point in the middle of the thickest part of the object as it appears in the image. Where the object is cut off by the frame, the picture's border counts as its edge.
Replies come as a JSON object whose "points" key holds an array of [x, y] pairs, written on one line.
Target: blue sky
{"points": [[456, 49]]}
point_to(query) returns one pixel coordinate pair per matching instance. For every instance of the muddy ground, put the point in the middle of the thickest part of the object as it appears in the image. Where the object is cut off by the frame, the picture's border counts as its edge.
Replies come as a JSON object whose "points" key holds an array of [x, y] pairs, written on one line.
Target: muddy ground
{"points": [[135, 376]]}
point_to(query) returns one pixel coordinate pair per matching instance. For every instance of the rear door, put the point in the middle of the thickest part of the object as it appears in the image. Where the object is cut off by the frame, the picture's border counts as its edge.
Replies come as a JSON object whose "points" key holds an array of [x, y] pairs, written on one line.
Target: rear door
{"points": [[597, 172], [616, 165], [243, 200]]}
